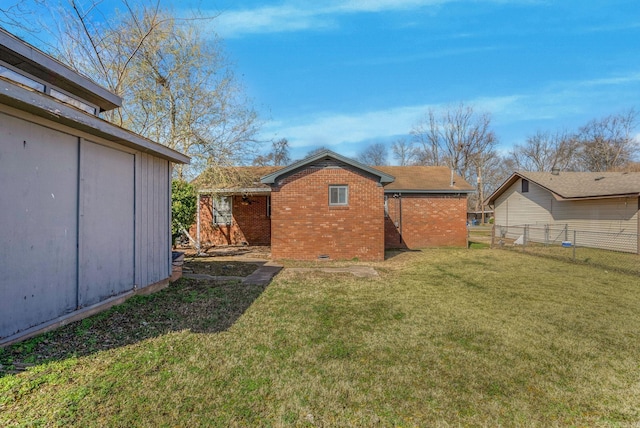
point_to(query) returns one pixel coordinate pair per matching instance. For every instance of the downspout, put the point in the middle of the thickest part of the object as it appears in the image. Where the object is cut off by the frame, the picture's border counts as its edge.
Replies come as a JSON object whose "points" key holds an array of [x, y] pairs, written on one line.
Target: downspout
{"points": [[398, 197], [198, 226], [400, 229]]}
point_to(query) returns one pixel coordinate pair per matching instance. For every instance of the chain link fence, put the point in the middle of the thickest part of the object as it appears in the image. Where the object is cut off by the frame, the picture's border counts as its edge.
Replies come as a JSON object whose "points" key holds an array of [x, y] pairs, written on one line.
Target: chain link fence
{"points": [[613, 251]]}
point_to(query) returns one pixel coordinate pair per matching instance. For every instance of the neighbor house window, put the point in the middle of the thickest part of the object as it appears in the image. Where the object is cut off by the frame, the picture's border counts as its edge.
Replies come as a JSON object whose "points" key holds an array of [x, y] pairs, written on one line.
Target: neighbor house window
{"points": [[222, 210], [525, 185], [339, 195], [268, 206]]}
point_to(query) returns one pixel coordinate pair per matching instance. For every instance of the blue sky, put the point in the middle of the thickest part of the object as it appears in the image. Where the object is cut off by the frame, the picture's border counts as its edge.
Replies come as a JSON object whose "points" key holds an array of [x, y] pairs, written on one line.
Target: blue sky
{"points": [[345, 74], [349, 73]]}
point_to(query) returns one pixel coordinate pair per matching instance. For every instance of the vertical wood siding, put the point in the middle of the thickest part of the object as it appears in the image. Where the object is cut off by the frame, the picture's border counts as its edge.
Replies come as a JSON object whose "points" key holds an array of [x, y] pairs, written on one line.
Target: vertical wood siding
{"points": [[80, 221], [153, 249], [38, 224], [106, 223]]}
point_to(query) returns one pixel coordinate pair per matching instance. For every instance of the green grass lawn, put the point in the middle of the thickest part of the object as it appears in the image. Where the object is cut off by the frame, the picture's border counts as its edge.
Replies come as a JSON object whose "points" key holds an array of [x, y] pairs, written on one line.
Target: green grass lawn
{"points": [[443, 337]]}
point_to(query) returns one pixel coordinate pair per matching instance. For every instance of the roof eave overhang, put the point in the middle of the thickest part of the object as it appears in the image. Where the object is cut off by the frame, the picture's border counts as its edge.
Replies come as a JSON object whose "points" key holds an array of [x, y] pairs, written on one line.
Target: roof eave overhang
{"points": [[239, 191], [44, 106], [35, 62], [273, 177], [507, 183], [595, 197]]}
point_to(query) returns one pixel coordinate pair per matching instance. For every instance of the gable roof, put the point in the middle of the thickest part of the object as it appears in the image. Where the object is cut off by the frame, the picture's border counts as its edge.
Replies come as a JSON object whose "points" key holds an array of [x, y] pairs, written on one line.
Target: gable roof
{"points": [[424, 179], [383, 178], [577, 185]]}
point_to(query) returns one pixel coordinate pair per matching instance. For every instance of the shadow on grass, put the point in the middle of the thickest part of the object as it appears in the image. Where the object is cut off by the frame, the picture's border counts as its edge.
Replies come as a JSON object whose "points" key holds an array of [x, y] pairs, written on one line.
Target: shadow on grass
{"points": [[394, 252], [198, 305]]}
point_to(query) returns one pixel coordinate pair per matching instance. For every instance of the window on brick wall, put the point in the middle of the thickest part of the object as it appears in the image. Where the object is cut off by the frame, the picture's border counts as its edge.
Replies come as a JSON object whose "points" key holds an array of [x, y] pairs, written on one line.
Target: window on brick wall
{"points": [[222, 212], [268, 206], [339, 195]]}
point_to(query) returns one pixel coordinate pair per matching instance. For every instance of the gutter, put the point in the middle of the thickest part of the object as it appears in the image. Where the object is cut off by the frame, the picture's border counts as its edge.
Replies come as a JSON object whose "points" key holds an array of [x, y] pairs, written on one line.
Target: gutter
{"points": [[234, 191], [438, 191]]}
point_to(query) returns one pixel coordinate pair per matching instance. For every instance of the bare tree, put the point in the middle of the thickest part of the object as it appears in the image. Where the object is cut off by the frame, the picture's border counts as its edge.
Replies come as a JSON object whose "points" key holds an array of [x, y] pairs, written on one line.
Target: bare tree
{"points": [[177, 87], [457, 137], [281, 152], [608, 143], [403, 152], [375, 154], [545, 151], [316, 151], [19, 14], [278, 156], [426, 134]]}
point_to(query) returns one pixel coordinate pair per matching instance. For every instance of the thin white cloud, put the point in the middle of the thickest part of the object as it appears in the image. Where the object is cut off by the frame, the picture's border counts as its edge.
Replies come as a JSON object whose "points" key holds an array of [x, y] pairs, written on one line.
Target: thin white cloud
{"points": [[615, 80], [331, 130], [558, 105], [291, 16]]}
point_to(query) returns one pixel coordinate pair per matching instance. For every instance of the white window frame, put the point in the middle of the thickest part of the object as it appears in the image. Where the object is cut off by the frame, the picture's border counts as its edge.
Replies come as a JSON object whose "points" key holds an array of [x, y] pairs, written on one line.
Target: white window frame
{"points": [[339, 202], [222, 212], [268, 206]]}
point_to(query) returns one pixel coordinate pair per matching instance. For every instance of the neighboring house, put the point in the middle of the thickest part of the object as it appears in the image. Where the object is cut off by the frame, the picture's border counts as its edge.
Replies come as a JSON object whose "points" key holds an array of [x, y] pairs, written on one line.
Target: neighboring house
{"points": [[330, 206], [85, 205], [605, 204]]}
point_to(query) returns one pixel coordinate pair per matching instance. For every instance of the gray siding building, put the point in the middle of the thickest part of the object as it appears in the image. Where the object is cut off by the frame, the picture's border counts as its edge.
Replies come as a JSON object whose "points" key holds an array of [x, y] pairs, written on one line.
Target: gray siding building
{"points": [[605, 206], [84, 205]]}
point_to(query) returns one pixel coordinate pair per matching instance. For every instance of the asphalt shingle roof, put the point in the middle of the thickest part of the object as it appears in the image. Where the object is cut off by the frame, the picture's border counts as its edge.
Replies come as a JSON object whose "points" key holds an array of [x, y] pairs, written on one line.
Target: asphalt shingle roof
{"points": [[424, 178], [407, 179], [586, 184]]}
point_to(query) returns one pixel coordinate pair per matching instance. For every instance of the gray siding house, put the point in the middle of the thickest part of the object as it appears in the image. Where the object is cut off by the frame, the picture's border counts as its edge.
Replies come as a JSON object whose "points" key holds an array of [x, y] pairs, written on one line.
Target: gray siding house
{"points": [[604, 206], [84, 205]]}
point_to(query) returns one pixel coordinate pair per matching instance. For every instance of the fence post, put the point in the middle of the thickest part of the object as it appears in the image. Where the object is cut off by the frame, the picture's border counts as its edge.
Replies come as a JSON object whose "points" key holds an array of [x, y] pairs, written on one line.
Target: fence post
{"points": [[493, 235], [566, 232], [575, 234], [525, 237], [546, 234]]}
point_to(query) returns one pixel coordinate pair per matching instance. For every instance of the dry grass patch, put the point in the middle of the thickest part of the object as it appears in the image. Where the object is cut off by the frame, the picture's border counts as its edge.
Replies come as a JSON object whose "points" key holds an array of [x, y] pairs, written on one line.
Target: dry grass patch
{"points": [[454, 337]]}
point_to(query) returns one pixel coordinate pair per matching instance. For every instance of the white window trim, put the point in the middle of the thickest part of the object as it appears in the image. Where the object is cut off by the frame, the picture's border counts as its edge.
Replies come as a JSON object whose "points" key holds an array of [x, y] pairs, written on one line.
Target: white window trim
{"points": [[339, 186], [268, 206]]}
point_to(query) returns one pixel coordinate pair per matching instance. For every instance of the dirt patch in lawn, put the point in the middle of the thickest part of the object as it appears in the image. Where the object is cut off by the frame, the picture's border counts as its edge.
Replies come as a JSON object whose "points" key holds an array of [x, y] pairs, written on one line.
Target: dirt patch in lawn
{"points": [[210, 266]]}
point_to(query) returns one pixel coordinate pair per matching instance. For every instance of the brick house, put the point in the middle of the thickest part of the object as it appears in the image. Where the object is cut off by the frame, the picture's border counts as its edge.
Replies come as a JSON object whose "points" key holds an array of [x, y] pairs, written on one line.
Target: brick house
{"points": [[330, 206]]}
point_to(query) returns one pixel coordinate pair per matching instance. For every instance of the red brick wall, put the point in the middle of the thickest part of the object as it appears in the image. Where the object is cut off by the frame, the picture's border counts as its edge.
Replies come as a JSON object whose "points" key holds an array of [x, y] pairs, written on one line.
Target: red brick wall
{"points": [[304, 226], [250, 223], [427, 221]]}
